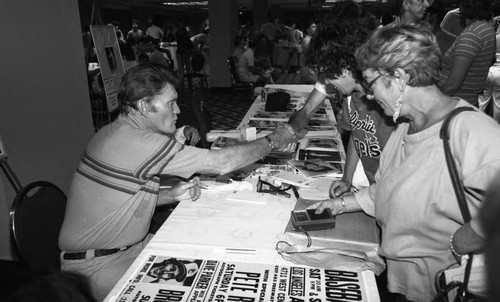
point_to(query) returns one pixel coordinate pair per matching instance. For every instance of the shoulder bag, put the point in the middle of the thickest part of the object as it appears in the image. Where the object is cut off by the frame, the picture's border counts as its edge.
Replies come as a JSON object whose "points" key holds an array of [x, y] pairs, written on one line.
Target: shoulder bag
{"points": [[473, 285]]}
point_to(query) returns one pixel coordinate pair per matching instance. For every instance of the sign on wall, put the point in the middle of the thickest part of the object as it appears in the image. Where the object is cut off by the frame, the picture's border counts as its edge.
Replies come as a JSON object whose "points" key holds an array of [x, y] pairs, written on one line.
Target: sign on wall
{"points": [[110, 62]]}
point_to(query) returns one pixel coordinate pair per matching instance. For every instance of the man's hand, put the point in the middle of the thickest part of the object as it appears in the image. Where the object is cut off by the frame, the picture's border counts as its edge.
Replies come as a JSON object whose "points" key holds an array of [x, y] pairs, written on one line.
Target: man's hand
{"points": [[185, 190], [339, 187], [192, 135], [284, 137]]}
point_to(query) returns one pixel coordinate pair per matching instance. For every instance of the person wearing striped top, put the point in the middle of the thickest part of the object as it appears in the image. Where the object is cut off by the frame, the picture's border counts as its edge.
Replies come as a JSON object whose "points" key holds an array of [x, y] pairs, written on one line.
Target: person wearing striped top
{"points": [[466, 63], [116, 186]]}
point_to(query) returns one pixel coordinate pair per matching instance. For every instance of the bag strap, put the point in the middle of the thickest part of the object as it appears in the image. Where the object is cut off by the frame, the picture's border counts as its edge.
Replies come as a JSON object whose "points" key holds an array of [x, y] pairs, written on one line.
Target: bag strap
{"points": [[452, 168], [459, 190]]}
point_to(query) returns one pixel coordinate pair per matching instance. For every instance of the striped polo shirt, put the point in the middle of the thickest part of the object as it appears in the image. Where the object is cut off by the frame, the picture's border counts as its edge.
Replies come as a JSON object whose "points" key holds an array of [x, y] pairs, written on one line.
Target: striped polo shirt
{"points": [[476, 42]]}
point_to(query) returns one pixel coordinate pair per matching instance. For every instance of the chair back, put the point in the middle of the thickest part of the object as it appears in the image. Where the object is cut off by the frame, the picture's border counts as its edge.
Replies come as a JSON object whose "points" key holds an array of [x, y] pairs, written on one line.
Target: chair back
{"points": [[36, 218], [197, 62], [235, 79], [232, 70]]}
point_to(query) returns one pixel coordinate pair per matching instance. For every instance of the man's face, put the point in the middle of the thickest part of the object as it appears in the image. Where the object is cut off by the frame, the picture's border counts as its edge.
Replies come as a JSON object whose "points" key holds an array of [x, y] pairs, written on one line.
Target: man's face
{"points": [[163, 111], [150, 46], [167, 271], [312, 29], [417, 8], [134, 26]]}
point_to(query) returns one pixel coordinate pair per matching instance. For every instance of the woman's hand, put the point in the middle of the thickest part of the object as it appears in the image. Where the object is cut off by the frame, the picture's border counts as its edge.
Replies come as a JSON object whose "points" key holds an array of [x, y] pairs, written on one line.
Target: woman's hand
{"points": [[335, 205], [339, 187], [192, 135]]}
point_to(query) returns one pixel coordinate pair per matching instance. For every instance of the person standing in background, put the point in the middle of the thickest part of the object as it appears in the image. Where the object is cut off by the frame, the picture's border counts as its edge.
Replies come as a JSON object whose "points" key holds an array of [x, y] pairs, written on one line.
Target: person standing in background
{"points": [[154, 31], [135, 34], [296, 37], [466, 63], [307, 75], [412, 12], [453, 22], [491, 90], [184, 47]]}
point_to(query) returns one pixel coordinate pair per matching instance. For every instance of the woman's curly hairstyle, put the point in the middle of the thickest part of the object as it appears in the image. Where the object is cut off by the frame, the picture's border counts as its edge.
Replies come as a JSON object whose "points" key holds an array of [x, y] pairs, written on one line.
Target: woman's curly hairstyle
{"points": [[340, 32], [410, 47]]}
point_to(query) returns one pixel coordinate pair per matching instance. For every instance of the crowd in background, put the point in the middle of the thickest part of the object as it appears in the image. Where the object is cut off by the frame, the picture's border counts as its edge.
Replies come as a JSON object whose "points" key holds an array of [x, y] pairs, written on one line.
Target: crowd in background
{"points": [[411, 65]]}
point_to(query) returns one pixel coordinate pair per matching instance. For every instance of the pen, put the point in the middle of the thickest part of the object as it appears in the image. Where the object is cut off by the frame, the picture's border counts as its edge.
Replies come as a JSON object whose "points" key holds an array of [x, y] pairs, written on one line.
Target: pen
{"points": [[229, 250]]}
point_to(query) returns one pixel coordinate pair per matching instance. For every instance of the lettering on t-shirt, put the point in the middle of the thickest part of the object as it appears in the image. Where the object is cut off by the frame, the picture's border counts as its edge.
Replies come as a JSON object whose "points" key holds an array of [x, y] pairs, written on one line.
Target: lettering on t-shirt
{"points": [[370, 145]]}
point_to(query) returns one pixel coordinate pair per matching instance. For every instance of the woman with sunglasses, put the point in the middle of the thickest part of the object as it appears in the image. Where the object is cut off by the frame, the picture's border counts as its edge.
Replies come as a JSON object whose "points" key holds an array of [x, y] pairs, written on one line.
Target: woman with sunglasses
{"points": [[331, 51], [413, 198]]}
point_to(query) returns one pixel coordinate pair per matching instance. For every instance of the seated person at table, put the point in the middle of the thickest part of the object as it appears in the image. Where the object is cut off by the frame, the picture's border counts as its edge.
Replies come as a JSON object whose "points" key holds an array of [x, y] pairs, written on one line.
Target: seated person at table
{"points": [[251, 70], [413, 199], [155, 55], [116, 187], [332, 52]]}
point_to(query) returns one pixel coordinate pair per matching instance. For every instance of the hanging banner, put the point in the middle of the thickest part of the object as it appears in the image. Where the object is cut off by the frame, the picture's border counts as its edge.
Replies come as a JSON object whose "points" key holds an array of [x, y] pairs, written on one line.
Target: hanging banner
{"points": [[110, 61]]}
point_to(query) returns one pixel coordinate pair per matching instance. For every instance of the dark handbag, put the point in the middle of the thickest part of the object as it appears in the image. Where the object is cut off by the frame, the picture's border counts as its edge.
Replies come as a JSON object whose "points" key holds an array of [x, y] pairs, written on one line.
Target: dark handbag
{"points": [[443, 289], [277, 101]]}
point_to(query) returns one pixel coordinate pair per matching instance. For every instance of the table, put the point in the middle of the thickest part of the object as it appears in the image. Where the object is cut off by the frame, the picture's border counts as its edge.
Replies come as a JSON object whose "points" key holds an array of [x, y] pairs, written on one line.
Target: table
{"points": [[232, 223]]}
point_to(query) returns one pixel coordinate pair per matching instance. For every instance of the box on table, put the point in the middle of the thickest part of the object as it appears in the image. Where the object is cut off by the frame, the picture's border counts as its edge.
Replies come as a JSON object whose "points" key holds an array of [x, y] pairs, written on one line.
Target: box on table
{"points": [[353, 231]]}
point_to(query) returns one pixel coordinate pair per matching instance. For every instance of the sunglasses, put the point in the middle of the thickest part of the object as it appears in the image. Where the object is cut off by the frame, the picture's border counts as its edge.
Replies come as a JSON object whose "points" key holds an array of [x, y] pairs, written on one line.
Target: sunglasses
{"points": [[265, 187], [368, 86]]}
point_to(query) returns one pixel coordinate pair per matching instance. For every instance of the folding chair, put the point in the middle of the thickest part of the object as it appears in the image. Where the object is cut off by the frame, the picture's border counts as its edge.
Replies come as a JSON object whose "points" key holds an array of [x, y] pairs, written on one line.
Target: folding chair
{"points": [[36, 218]]}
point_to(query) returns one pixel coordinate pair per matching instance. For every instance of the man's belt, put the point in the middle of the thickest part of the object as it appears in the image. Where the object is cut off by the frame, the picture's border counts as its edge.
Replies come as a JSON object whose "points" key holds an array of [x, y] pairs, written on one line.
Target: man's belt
{"points": [[97, 253]]}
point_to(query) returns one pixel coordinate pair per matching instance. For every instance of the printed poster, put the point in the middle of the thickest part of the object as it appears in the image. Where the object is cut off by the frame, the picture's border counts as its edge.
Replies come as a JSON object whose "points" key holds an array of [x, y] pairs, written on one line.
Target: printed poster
{"points": [[110, 61], [163, 278]]}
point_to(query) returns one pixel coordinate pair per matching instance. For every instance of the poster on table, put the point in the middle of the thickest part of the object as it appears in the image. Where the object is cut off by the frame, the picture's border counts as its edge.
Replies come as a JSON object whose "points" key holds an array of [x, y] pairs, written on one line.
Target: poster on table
{"points": [[110, 61], [162, 278]]}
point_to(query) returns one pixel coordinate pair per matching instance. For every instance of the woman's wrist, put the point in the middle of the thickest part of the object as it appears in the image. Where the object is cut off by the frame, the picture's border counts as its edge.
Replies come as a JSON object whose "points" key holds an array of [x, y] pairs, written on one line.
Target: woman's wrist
{"points": [[452, 248], [342, 205]]}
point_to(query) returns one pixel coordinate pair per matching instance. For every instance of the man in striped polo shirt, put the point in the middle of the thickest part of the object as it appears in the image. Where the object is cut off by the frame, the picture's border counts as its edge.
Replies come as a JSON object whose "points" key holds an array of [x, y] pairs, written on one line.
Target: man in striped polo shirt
{"points": [[116, 187]]}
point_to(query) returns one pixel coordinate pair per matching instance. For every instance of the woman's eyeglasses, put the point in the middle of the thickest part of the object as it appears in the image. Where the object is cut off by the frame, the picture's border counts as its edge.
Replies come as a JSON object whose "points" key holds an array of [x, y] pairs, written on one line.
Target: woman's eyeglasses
{"points": [[368, 86]]}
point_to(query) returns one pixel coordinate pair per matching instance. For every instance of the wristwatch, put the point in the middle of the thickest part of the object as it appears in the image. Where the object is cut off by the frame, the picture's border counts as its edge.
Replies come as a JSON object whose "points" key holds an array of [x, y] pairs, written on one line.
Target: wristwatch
{"points": [[270, 142]]}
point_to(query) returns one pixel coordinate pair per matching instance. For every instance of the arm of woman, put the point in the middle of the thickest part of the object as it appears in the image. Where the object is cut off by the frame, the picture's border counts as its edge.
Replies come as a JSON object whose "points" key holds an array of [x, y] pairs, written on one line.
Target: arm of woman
{"points": [[458, 72], [466, 240], [344, 204]]}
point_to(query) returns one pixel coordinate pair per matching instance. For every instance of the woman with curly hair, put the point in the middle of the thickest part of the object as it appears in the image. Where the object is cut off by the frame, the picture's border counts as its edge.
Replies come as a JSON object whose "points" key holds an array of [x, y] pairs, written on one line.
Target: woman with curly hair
{"points": [[331, 52], [413, 199], [466, 63]]}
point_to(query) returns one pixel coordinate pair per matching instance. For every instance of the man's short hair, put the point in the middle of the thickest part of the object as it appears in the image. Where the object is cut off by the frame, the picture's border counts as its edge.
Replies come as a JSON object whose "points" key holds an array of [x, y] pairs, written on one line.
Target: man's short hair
{"points": [[143, 81]]}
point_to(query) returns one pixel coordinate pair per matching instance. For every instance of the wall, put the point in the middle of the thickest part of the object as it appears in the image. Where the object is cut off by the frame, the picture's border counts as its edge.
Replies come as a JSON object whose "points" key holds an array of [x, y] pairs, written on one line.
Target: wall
{"points": [[45, 116], [223, 16]]}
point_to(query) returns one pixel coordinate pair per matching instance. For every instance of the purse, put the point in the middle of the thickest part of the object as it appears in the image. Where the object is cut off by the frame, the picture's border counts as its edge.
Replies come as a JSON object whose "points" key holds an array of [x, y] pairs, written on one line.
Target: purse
{"points": [[473, 286]]}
